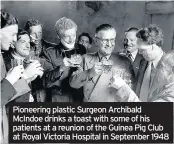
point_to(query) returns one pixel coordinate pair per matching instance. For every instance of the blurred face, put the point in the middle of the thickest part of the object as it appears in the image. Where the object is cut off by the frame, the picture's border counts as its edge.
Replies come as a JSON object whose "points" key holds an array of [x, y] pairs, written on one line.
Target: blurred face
{"points": [[8, 36], [36, 34], [68, 36], [105, 40], [149, 52], [84, 41], [23, 45], [131, 41]]}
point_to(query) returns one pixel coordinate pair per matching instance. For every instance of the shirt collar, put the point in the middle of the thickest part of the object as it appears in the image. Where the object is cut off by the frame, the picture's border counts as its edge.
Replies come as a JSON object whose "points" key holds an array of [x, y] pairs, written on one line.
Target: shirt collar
{"points": [[156, 61], [100, 56], [134, 54]]}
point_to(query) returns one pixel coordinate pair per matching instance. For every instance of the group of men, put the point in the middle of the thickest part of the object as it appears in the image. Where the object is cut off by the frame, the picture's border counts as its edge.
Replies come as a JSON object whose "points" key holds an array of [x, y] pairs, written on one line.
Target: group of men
{"points": [[34, 70]]}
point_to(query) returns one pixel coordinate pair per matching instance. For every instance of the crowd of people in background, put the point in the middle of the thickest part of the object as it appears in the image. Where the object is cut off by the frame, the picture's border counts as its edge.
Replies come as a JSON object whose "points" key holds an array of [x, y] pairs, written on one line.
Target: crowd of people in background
{"points": [[35, 70]]}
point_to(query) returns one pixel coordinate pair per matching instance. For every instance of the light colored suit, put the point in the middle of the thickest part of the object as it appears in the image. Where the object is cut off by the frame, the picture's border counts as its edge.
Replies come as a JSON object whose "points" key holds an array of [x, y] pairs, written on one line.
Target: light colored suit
{"points": [[97, 89]]}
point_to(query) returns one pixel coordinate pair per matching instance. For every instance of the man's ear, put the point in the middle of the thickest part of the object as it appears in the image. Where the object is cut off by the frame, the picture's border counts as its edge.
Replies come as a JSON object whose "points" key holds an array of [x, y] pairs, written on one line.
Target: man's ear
{"points": [[95, 40]]}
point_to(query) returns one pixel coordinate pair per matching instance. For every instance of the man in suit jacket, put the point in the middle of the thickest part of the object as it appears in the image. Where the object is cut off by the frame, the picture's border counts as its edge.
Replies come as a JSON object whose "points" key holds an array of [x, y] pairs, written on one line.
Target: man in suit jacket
{"points": [[150, 40], [131, 48], [17, 57], [98, 68], [35, 29], [163, 90], [13, 83], [57, 79]]}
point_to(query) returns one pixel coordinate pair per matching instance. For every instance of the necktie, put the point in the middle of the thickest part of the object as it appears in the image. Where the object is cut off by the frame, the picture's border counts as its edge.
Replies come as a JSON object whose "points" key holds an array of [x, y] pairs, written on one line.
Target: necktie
{"points": [[146, 83], [130, 57]]}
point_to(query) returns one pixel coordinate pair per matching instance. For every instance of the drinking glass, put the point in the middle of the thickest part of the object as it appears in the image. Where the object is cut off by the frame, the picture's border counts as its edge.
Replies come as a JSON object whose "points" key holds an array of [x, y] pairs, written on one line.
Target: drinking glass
{"points": [[76, 59], [107, 66]]}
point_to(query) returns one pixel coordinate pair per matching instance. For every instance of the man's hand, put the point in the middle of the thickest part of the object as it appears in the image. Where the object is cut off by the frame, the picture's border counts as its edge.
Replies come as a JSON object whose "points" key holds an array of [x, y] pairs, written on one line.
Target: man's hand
{"points": [[33, 70], [67, 62], [116, 82], [97, 69], [14, 74]]}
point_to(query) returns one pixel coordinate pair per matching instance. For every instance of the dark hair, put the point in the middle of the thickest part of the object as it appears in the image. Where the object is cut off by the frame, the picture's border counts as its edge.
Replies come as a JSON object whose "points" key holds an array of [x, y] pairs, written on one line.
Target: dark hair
{"points": [[151, 34], [131, 29], [104, 27], [21, 32], [7, 19], [30, 23], [87, 35]]}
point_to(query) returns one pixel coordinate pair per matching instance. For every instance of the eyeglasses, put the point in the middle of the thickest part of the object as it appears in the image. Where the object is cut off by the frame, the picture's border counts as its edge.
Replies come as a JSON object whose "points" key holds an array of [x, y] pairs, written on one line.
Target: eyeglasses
{"points": [[105, 41]]}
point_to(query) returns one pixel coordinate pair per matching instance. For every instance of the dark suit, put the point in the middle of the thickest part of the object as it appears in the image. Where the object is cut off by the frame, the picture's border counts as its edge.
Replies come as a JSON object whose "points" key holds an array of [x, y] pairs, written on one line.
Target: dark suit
{"points": [[57, 80], [38, 91], [96, 89], [135, 63], [140, 75]]}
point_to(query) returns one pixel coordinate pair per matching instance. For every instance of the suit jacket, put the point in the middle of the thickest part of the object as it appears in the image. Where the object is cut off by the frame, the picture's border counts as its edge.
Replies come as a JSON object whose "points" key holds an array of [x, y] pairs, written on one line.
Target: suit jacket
{"points": [[140, 75], [162, 94], [56, 80], [24, 96], [135, 63], [9, 92], [96, 89]]}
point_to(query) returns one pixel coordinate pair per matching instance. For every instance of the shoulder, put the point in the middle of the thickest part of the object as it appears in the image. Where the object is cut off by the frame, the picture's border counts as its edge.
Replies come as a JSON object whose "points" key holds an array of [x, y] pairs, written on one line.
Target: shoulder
{"points": [[120, 58], [91, 55], [48, 44], [51, 52]]}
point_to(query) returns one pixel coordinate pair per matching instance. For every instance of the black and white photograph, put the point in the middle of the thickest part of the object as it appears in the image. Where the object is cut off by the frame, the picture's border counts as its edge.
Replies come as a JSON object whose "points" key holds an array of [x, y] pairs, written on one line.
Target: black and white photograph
{"points": [[86, 52]]}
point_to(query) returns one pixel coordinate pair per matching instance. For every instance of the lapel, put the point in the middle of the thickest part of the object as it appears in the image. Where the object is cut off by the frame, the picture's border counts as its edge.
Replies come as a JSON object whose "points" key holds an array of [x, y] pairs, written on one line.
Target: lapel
{"points": [[153, 85], [136, 63], [90, 60], [100, 91]]}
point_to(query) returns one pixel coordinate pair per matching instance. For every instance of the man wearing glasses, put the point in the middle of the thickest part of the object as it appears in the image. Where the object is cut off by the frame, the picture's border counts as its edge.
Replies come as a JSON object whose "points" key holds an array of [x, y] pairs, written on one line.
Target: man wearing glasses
{"points": [[64, 58], [97, 69]]}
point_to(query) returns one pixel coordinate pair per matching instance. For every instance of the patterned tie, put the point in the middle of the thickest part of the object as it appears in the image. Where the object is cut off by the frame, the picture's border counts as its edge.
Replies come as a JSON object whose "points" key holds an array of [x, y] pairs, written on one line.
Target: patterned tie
{"points": [[146, 83], [130, 56]]}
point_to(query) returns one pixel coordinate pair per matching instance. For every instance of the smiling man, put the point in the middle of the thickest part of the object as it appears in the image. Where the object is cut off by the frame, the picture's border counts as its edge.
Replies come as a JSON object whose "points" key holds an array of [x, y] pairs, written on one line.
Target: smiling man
{"points": [[17, 57], [35, 30], [131, 48], [60, 56], [98, 68]]}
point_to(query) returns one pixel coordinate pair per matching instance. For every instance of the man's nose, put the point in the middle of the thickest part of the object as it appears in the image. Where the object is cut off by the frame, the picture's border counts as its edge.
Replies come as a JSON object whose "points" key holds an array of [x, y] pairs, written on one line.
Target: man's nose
{"points": [[128, 42], [14, 39], [109, 43], [28, 45]]}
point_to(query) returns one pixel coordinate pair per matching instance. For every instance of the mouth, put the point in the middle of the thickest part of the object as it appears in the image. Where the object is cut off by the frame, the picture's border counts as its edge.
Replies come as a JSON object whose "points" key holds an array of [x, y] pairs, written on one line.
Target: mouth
{"points": [[12, 45]]}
